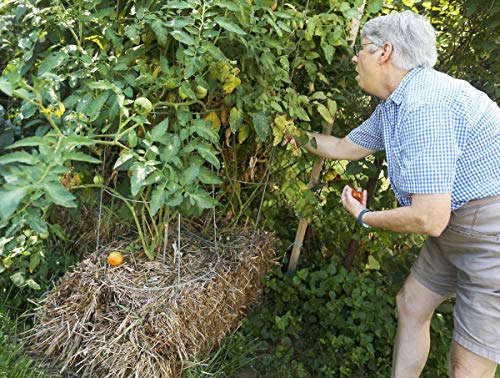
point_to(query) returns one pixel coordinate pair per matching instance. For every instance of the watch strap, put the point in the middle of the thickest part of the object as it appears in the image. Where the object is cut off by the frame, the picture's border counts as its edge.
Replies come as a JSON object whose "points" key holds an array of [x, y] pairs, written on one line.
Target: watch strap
{"points": [[359, 220]]}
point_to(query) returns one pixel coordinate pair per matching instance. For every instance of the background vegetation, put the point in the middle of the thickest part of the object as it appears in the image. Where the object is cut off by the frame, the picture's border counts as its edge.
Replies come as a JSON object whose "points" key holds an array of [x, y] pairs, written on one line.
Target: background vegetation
{"points": [[186, 105]]}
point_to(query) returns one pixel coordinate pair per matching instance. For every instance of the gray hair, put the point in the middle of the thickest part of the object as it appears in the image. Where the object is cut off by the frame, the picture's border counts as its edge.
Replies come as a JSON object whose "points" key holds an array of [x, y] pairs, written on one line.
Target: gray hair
{"points": [[412, 36]]}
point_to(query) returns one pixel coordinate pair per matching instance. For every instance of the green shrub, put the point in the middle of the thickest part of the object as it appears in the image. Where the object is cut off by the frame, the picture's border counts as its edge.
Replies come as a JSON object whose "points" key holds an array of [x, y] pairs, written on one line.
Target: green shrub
{"points": [[330, 322], [34, 267]]}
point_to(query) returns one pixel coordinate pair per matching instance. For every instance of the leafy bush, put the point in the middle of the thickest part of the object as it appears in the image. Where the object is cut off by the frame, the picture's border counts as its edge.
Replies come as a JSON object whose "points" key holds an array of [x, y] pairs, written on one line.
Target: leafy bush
{"points": [[151, 91], [330, 322], [30, 266]]}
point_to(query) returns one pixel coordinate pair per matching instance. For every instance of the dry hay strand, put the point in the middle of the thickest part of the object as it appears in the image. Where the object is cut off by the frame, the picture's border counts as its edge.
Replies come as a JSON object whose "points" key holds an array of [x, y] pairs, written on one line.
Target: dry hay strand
{"points": [[136, 320]]}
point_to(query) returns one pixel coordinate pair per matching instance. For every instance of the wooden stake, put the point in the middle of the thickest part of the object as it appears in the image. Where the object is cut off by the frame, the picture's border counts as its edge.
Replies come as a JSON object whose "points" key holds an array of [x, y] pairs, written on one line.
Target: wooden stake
{"points": [[355, 22], [327, 129], [304, 222]]}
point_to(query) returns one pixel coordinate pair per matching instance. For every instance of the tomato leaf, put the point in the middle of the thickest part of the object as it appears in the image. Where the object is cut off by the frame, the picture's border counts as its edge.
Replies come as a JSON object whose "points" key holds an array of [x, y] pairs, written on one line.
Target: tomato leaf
{"points": [[80, 156], [159, 31], [206, 176], [137, 180], [261, 125], [208, 154], [235, 119], [18, 157], [59, 195], [157, 198], [229, 25], [159, 130], [35, 259], [325, 113], [29, 142], [123, 159], [6, 87], [10, 200]]}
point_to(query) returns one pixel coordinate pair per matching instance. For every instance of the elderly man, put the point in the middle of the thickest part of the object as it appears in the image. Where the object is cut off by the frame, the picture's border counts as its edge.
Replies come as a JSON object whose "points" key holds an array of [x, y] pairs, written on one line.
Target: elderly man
{"points": [[442, 141]]}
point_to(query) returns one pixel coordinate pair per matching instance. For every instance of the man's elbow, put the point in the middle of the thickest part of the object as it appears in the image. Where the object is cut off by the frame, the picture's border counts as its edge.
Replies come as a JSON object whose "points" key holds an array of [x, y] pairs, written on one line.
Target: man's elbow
{"points": [[435, 227], [436, 231], [431, 213], [430, 223]]}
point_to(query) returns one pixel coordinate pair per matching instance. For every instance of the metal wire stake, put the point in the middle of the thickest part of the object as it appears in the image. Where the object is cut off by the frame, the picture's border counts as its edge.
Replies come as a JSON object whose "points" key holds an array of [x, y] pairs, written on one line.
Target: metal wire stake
{"points": [[164, 243], [100, 207], [179, 250], [214, 218], [262, 198]]}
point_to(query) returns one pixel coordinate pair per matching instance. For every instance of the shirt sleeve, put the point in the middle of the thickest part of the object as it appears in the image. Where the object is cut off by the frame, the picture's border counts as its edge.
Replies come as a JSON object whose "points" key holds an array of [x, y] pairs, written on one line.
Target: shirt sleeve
{"points": [[428, 151], [369, 134]]}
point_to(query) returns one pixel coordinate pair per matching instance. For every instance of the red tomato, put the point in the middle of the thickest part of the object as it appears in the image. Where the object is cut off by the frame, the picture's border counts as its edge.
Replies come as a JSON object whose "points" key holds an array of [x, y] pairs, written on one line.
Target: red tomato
{"points": [[357, 195]]}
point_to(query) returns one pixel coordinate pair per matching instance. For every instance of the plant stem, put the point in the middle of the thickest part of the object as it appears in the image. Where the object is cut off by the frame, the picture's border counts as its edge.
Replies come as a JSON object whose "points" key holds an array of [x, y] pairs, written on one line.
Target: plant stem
{"points": [[144, 243], [177, 104]]}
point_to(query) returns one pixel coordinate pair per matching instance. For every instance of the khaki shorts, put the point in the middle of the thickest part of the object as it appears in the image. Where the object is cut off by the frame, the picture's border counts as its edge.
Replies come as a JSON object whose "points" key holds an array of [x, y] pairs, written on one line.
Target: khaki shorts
{"points": [[465, 261]]}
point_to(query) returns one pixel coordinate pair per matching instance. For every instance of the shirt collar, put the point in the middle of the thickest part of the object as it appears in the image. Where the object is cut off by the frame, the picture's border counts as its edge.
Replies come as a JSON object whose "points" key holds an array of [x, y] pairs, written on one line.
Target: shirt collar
{"points": [[398, 94]]}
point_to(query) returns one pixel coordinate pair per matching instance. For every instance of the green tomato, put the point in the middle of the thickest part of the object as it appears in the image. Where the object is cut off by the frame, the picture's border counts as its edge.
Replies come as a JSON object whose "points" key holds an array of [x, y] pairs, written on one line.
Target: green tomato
{"points": [[200, 92], [44, 236], [98, 180], [148, 37], [142, 105], [170, 84], [182, 94]]}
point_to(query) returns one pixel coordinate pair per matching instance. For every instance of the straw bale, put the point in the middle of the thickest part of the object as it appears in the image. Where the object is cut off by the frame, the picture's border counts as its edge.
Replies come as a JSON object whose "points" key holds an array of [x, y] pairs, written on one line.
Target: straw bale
{"points": [[138, 319]]}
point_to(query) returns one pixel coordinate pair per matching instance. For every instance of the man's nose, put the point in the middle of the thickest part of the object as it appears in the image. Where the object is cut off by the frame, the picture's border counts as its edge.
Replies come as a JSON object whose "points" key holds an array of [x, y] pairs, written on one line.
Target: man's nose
{"points": [[354, 59]]}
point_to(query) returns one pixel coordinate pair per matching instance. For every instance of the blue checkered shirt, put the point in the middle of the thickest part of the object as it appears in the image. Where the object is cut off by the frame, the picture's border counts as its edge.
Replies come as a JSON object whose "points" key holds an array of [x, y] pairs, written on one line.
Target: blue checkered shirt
{"points": [[440, 134]]}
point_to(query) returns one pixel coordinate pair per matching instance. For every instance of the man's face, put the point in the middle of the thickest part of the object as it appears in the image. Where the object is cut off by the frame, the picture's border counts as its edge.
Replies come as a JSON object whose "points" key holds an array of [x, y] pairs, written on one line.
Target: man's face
{"points": [[366, 67]]}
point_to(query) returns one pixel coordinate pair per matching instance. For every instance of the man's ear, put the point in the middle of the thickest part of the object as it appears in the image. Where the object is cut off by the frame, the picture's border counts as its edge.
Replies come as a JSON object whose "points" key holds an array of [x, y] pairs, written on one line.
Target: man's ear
{"points": [[385, 53]]}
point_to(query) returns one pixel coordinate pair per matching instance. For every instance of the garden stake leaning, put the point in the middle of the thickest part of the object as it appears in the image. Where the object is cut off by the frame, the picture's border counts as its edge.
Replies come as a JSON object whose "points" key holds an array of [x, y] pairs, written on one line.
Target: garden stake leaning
{"points": [[327, 129], [304, 222]]}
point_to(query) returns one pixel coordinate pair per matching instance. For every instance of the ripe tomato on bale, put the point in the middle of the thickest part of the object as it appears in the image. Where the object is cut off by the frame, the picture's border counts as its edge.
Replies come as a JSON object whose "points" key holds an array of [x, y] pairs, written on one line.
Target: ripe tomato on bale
{"points": [[115, 258]]}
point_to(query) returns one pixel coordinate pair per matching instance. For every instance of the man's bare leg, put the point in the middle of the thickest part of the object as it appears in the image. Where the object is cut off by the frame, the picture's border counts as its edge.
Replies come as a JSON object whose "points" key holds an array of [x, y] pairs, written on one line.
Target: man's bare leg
{"points": [[416, 304], [465, 364]]}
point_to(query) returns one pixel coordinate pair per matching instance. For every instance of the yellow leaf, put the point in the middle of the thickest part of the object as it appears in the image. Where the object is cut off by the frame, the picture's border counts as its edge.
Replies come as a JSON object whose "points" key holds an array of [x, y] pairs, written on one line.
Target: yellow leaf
{"points": [[330, 175], [232, 82], [214, 118], [243, 132], [278, 129], [278, 136], [294, 146], [223, 70], [280, 122]]}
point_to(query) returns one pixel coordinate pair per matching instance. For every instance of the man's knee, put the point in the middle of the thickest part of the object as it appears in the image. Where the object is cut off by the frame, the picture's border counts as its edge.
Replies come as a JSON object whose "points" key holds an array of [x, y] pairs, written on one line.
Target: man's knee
{"points": [[407, 306], [463, 363], [458, 368], [414, 303], [461, 369]]}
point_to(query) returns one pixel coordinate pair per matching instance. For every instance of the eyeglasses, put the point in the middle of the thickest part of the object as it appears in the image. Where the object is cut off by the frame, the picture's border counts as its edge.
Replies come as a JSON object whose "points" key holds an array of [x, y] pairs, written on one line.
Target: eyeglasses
{"points": [[358, 48]]}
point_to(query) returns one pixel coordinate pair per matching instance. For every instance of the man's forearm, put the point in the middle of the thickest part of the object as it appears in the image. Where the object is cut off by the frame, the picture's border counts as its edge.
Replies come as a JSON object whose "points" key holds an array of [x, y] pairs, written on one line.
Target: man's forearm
{"points": [[332, 147], [405, 220]]}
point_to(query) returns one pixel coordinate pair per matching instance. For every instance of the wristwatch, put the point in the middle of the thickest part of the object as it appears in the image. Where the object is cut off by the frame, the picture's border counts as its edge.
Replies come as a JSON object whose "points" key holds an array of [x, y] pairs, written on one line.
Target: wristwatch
{"points": [[360, 218]]}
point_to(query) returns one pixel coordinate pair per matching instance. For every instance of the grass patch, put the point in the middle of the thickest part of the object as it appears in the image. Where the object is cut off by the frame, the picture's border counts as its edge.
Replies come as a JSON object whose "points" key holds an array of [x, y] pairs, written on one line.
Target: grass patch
{"points": [[14, 362]]}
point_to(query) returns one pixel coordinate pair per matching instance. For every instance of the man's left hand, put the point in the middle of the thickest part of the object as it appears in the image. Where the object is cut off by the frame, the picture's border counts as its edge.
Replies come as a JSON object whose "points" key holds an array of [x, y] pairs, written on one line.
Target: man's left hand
{"points": [[351, 204]]}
